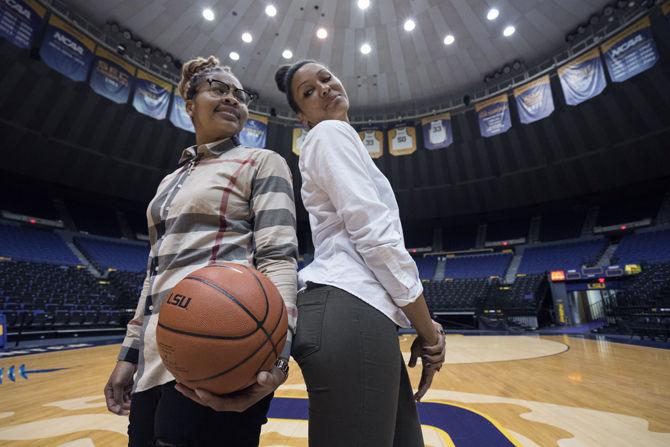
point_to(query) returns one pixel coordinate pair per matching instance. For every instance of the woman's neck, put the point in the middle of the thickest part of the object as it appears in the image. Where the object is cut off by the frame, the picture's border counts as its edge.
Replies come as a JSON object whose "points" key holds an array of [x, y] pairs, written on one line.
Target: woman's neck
{"points": [[206, 139]]}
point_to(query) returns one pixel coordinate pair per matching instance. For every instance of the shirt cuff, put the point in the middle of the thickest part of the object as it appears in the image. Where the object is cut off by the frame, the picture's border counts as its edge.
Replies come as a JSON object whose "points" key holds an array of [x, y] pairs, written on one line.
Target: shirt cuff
{"points": [[286, 353], [410, 296], [129, 355]]}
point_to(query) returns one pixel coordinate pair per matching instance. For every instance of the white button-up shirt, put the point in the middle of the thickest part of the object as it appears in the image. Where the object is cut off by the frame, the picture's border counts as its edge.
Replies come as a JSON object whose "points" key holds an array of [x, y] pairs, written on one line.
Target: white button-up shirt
{"points": [[356, 230]]}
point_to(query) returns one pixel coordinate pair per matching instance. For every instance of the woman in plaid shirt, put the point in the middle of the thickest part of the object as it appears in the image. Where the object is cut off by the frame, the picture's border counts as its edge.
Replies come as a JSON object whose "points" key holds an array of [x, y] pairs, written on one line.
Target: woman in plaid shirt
{"points": [[225, 202]]}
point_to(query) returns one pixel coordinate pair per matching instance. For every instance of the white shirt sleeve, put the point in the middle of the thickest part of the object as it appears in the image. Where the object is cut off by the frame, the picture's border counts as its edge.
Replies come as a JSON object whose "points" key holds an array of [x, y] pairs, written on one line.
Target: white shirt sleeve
{"points": [[336, 162]]}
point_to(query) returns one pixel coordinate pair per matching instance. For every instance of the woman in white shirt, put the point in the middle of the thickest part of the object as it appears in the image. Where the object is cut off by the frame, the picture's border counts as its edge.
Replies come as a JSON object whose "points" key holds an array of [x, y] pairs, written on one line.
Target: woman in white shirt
{"points": [[361, 285]]}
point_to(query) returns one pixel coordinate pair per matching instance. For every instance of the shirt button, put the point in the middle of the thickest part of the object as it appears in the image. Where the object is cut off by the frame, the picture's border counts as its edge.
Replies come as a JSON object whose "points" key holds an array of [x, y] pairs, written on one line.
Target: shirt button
{"points": [[178, 186], [155, 269], [167, 208], [151, 307]]}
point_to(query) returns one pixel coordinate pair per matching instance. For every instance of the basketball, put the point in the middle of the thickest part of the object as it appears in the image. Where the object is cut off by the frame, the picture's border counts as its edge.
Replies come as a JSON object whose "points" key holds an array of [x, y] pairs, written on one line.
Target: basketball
{"points": [[220, 326]]}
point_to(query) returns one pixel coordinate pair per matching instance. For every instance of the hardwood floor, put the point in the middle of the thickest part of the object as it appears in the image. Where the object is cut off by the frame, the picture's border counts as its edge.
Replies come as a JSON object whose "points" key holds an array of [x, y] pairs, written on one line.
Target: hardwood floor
{"points": [[493, 391]]}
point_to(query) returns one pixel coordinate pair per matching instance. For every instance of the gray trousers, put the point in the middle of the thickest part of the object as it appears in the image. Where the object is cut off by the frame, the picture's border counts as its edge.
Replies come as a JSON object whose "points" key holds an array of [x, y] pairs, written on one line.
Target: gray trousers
{"points": [[359, 391]]}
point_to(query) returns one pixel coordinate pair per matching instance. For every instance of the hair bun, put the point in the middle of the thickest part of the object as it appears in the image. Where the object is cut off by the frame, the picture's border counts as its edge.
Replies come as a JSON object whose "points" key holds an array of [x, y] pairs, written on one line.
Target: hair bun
{"points": [[280, 77]]}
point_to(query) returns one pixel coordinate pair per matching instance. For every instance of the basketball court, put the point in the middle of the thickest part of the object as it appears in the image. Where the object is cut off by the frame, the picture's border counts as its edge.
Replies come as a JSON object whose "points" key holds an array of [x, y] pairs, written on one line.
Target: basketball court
{"points": [[522, 390]]}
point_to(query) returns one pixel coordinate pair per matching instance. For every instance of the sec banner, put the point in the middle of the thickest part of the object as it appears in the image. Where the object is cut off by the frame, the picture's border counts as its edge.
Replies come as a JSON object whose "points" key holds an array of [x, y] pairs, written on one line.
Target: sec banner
{"points": [[373, 140], [630, 52], [494, 116], [437, 133], [111, 76], [582, 78], [67, 50], [402, 140], [254, 133], [178, 115], [299, 134], [20, 20], [152, 95], [534, 100]]}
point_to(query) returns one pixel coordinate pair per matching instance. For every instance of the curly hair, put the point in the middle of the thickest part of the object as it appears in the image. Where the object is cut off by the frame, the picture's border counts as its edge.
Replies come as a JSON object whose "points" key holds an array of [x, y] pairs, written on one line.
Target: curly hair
{"points": [[195, 70]]}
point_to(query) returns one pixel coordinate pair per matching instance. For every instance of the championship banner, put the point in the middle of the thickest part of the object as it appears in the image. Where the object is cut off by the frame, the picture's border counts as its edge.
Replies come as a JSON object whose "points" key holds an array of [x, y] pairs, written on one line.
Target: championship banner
{"points": [[534, 100], [402, 140], [437, 133], [20, 20], [66, 50], [111, 76], [630, 52], [255, 131], [152, 95], [299, 134], [373, 140], [494, 116], [178, 115], [582, 78]]}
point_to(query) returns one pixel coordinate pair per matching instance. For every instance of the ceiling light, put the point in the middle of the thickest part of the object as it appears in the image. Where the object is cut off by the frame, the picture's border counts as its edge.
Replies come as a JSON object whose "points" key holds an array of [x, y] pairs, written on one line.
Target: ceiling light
{"points": [[409, 25], [234, 56], [365, 48], [492, 14], [247, 37], [208, 14], [287, 54], [509, 31], [363, 4], [322, 33], [449, 39], [271, 10]]}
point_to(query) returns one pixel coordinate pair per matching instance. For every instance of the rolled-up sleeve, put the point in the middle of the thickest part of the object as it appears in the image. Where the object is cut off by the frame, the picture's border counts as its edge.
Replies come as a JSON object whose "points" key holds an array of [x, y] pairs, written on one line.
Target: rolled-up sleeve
{"points": [[336, 163]]}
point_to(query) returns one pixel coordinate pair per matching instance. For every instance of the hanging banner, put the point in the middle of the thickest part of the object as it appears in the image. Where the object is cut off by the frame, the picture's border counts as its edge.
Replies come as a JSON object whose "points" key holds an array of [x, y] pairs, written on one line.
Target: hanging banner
{"points": [[373, 140], [666, 10], [494, 116], [630, 52], [152, 95], [437, 133], [402, 140], [255, 131], [20, 20], [66, 50], [582, 78], [111, 76], [299, 134], [534, 100], [178, 115]]}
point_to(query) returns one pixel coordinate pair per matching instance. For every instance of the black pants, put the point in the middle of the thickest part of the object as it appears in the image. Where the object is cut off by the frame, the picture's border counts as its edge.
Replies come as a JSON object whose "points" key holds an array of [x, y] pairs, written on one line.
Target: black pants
{"points": [[359, 391], [162, 416]]}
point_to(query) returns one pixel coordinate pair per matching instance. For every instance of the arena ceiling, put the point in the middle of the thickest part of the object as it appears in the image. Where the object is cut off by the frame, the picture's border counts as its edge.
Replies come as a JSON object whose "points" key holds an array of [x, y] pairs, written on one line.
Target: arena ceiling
{"points": [[403, 67]]}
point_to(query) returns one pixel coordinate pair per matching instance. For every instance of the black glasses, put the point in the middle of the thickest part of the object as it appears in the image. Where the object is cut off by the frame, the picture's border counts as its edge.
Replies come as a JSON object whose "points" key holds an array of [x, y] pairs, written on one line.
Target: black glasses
{"points": [[220, 89]]}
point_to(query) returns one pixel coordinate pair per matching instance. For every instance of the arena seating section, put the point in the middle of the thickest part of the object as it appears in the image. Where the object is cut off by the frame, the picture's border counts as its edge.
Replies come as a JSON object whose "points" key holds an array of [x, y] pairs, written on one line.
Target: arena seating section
{"points": [[563, 256]]}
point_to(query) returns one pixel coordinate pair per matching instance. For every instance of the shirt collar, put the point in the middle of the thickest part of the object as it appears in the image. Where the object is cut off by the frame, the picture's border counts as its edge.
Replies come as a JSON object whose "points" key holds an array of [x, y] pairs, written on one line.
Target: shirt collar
{"points": [[215, 148]]}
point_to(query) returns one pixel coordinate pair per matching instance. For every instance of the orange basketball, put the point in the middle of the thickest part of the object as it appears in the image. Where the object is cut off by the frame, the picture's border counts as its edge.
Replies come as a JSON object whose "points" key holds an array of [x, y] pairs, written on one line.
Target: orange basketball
{"points": [[220, 326]]}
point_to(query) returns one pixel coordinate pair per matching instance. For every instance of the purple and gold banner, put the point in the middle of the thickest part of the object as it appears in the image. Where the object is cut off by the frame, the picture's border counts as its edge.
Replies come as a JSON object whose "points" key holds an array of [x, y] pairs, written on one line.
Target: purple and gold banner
{"points": [[299, 134], [67, 50], [152, 95], [111, 76], [178, 115], [437, 133], [373, 140], [534, 100], [20, 20], [494, 116], [630, 52], [582, 78], [666, 10]]}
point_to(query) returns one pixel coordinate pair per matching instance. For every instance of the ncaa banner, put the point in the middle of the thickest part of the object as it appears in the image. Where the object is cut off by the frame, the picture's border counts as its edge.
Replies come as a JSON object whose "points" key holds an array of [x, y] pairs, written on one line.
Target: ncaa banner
{"points": [[299, 134], [20, 20], [494, 116], [111, 76], [534, 100], [402, 140], [373, 140], [152, 95], [582, 78], [631, 52], [437, 133], [66, 50], [178, 115], [255, 131]]}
